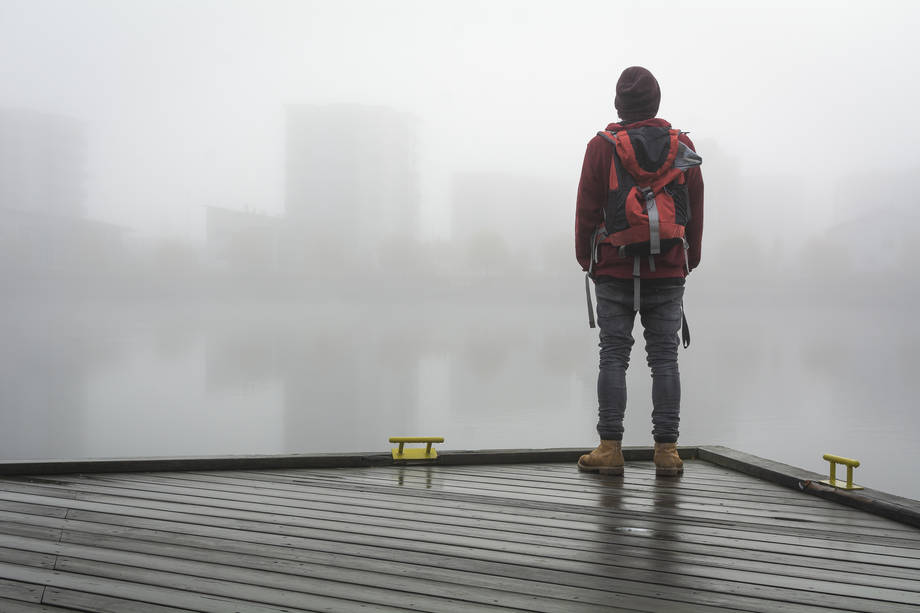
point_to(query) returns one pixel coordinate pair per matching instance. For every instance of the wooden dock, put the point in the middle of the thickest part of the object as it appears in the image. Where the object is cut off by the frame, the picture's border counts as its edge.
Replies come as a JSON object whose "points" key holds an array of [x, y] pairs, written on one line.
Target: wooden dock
{"points": [[454, 536]]}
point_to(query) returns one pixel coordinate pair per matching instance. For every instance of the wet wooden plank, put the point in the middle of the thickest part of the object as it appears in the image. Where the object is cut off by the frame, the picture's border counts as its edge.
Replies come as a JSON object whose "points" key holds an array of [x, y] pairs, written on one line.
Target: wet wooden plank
{"points": [[99, 603], [612, 505], [467, 572], [24, 527], [852, 541], [698, 475], [18, 606], [11, 554], [263, 546], [387, 564], [586, 490], [633, 475], [582, 575], [267, 587], [195, 485], [573, 532], [262, 482], [696, 472], [643, 542], [557, 474], [544, 537], [140, 591], [731, 582], [155, 492], [218, 486], [591, 484], [31, 509], [580, 483], [13, 589], [316, 582], [510, 591], [283, 515], [637, 488], [261, 535]]}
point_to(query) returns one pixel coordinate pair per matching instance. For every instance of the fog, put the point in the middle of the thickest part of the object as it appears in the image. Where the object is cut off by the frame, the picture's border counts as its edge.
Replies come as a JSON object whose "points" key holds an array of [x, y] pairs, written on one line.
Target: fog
{"points": [[272, 227]]}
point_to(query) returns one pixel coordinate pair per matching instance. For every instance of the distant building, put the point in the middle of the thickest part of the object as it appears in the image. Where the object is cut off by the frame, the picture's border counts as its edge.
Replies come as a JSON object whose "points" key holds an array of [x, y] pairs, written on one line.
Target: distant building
{"points": [[34, 243], [43, 228], [351, 181], [241, 240], [42, 163]]}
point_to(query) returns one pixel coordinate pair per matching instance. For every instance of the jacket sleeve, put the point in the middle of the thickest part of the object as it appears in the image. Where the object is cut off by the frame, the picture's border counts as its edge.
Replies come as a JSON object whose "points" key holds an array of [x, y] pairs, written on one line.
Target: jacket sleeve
{"points": [[592, 194], [695, 227]]}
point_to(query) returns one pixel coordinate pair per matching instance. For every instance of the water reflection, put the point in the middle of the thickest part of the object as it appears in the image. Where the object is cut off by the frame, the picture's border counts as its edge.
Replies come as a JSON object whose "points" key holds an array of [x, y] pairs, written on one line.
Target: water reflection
{"points": [[402, 472]]}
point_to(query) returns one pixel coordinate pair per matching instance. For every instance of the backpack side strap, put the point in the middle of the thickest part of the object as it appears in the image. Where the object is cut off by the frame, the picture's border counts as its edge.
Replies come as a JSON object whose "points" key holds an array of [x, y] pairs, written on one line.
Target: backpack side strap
{"points": [[588, 298], [598, 236], [636, 282]]}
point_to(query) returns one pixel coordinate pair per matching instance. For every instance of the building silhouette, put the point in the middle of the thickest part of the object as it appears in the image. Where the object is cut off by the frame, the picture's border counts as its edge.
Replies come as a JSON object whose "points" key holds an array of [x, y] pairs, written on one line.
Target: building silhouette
{"points": [[242, 240], [43, 224], [42, 163], [351, 183]]}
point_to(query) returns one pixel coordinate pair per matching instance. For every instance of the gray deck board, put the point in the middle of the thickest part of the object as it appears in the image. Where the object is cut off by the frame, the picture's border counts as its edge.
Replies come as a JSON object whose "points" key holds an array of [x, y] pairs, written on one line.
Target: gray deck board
{"points": [[14, 589], [574, 530], [98, 603], [574, 493], [610, 504], [160, 496], [306, 550], [539, 518], [19, 606], [383, 561], [728, 553], [353, 529], [532, 537], [11, 554]]}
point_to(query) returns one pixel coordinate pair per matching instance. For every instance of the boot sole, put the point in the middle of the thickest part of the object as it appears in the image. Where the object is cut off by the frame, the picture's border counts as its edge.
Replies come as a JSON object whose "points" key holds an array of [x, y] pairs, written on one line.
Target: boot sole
{"points": [[603, 470], [668, 472]]}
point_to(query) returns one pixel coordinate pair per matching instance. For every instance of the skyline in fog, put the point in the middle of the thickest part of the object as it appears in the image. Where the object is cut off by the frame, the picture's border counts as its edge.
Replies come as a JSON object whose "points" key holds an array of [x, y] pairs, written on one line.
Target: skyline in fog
{"points": [[184, 104], [176, 240]]}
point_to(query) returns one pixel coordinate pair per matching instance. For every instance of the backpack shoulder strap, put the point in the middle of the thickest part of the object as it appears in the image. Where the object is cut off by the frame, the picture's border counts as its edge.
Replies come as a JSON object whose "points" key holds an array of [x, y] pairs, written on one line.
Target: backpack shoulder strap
{"points": [[610, 137], [618, 176]]}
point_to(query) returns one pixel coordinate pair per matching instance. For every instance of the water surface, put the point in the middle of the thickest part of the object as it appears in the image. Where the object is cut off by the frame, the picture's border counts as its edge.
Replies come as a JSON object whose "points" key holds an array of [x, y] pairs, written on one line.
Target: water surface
{"points": [[85, 379]]}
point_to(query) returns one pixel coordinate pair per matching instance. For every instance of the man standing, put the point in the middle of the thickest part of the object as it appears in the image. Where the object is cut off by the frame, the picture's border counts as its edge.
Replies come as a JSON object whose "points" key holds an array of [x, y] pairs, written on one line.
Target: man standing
{"points": [[638, 231]]}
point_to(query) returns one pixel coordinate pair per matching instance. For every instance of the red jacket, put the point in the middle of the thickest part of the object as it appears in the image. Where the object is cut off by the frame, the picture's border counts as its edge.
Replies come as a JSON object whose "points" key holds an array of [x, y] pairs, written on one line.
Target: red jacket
{"points": [[589, 213]]}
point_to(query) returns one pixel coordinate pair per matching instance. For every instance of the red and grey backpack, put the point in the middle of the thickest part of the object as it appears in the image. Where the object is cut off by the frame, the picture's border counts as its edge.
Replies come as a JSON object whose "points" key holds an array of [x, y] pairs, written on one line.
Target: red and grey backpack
{"points": [[648, 206]]}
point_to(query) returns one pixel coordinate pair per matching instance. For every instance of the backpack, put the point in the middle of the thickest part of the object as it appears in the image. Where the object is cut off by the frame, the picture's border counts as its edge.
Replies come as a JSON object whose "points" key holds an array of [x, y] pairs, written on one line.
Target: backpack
{"points": [[648, 206]]}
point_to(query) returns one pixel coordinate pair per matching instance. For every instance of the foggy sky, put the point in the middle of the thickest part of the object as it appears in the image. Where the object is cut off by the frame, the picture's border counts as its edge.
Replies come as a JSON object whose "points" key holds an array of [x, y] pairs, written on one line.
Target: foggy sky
{"points": [[184, 101]]}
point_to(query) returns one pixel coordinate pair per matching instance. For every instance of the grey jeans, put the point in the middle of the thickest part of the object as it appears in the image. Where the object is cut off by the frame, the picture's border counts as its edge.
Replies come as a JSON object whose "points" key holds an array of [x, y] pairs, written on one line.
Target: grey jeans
{"points": [[661, 314]]}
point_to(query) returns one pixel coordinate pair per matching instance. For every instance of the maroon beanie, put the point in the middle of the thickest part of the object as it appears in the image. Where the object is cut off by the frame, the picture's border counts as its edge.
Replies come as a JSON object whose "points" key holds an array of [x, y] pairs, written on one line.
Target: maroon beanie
{"points": [[638, 94]]}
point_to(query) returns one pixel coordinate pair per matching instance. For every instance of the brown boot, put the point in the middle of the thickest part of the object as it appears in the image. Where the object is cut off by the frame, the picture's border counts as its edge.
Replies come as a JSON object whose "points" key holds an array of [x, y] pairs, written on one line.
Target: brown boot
{"points": [[607, 459], [667, 462]]}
